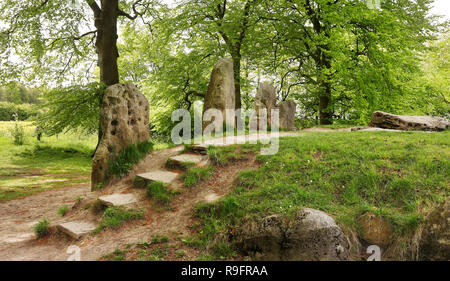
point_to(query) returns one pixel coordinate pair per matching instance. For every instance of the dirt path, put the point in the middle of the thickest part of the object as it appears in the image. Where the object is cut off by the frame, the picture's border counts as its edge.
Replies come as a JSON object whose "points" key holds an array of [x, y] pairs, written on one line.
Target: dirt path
{"points": [[17, 217]]}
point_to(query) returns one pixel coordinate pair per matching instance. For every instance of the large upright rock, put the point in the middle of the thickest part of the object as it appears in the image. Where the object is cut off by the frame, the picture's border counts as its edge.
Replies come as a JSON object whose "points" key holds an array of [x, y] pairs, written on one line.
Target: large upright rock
{"points": [[287, 114], [124, 119], [221, 95], [408, 123], [266, 98], [311, 235]]}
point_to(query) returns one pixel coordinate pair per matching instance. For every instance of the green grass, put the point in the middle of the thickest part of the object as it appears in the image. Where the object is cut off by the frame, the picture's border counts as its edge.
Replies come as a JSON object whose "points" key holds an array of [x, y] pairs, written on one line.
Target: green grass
{"points": [[117, 255], [114, 217], [123, 161], [160, 193], [56, 161], [63, 210], [395, 175], [195, 175], [41, 229], [222, 155], [171, 164]]}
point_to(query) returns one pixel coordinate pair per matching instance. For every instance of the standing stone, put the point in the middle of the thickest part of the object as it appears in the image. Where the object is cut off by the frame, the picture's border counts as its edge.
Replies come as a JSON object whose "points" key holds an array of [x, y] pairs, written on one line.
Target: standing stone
{"points": [[408, 123], [221, 95], [266, 98], [124, 119], [287, 114]]}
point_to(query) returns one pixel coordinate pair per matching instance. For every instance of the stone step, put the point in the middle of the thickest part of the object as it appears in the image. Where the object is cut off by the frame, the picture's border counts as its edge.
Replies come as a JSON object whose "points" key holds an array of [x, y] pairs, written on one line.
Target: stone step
{"points": [[184, 161], [117, 199], [162, 176], [76, 229], [200, 148]]}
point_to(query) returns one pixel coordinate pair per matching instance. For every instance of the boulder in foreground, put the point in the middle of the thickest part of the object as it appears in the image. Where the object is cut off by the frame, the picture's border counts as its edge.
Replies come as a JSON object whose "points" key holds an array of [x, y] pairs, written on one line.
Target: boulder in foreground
{"points": [[385, 120], [310, 235]]}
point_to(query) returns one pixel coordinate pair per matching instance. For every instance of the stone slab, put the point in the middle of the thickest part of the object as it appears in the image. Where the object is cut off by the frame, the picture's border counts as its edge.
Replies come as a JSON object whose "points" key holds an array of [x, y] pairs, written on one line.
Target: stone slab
{"points": [[117, 199], [187, 158], [162, 176], [76, 229]]}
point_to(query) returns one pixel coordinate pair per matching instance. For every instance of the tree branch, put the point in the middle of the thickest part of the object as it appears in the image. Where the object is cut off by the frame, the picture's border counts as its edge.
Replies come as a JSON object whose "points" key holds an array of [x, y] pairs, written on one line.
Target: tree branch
{"points": [[94, 6]]}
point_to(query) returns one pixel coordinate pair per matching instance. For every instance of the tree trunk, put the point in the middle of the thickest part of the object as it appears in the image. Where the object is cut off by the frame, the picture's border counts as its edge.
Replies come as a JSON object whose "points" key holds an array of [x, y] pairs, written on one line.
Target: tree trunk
{"points": [[325, 114], [106, 45], [237, 80], [107, 42]]}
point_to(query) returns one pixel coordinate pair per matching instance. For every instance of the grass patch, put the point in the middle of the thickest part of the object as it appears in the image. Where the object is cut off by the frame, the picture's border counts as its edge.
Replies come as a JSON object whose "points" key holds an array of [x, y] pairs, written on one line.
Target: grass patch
{"points": [[41, 229], [195, 175], [57, 161], [174, 165], [114, 217], [123, 161], [345, 174], [139, 182], [63, 210], [160, 193], [117, 255]]}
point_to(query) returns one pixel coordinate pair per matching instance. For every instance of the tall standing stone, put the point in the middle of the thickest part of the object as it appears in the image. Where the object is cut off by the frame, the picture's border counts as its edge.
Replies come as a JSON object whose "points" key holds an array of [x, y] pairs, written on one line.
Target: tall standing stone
{"points": [[221, 95], [124, 119], [266, 98], [287, 114]]}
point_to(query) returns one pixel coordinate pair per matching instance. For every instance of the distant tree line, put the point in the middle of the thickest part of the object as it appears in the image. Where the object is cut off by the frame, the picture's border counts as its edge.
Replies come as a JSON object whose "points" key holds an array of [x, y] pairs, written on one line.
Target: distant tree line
{"points": [[16, 98]]}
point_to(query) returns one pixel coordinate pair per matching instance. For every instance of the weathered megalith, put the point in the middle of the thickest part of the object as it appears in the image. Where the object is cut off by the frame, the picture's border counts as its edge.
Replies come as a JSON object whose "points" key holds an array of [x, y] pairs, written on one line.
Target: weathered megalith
{"points": [[435, 238], [385, 120], [287, 114], [266, 98], [310, 235], [220, 94], [124, 119]]}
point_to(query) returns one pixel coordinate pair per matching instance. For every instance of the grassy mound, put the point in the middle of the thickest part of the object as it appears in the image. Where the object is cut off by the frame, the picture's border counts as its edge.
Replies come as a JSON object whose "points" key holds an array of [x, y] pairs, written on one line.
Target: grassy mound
{"points": [[395, 175]]}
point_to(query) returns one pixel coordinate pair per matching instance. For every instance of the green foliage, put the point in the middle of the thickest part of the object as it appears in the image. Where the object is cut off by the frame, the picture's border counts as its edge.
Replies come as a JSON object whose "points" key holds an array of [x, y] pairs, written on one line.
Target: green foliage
{"points": [[63, 210], [74, 108], [195, 175], [24, 111], [122, 162], [160, 193], [115, 216], [18, 134], [41, 229], [18, 94]]}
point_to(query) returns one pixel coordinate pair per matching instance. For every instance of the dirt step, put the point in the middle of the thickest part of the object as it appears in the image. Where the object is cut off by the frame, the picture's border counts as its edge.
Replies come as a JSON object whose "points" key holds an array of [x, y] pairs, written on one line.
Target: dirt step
{"points": [[162, 176], [118, 199], [184, 161], [76, 229]]}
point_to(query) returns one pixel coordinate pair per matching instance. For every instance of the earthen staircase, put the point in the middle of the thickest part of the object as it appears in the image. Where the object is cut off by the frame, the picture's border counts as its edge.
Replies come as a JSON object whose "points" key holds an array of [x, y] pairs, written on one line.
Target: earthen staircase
{"points": [[184, 161]]}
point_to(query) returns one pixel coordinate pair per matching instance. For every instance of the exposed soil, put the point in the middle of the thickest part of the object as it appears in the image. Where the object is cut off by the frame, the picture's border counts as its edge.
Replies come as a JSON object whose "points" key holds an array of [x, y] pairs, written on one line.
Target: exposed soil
{"points": [[18, 216]]}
